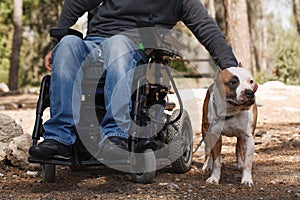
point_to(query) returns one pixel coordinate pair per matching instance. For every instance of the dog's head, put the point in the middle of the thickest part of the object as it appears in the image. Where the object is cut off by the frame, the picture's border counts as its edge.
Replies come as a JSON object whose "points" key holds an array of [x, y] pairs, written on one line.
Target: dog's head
{"points": [[237, 86]]}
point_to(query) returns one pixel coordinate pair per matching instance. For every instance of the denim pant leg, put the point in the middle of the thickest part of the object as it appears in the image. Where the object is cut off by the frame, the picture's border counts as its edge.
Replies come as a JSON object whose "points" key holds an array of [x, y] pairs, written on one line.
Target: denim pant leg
{"points": [[121, 56], [65, 88]]}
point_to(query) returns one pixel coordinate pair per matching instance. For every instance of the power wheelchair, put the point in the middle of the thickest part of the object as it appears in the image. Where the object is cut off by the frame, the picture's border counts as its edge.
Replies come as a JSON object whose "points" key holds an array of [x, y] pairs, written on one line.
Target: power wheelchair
{"points": [[166, 130]]}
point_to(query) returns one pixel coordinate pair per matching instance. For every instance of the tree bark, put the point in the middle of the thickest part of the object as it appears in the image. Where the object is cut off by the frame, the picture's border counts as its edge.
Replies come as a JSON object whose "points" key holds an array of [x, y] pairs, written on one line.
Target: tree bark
{"points": [[210, 6], [296, 16], [16, 46], [258, 48], [237, 30]]}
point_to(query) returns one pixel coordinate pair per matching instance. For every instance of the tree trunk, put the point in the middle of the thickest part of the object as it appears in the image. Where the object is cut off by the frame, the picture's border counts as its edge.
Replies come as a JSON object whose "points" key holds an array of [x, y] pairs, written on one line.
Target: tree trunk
{"points": [[237, 30], [296, 16], [210, 6], [255, 15], [17, 41]]}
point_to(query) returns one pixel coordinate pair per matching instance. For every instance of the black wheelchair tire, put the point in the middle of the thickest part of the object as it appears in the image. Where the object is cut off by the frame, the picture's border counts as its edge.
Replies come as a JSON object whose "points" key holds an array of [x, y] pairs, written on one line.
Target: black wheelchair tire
{"points": [[149, 162], [48, 172], [180, 141]]}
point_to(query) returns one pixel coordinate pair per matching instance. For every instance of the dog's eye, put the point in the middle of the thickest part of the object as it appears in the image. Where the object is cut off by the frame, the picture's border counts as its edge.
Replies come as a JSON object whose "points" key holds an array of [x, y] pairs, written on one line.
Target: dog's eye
{"points": [[233, 82], [251, 81]]}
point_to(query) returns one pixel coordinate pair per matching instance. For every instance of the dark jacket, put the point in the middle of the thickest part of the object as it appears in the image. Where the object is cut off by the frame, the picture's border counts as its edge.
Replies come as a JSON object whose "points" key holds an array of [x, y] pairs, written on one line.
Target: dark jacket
{"points": [[116, 16]]}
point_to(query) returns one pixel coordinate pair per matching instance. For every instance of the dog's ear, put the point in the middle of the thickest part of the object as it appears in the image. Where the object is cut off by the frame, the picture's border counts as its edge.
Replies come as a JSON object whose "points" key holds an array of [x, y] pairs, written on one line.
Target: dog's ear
{"points": [[255, 87], [240, 64], [217, 73]]}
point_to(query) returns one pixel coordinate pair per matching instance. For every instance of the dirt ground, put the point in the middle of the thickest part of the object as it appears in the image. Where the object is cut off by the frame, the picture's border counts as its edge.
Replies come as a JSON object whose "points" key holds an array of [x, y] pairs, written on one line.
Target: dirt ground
{"points": [[276, 168]]}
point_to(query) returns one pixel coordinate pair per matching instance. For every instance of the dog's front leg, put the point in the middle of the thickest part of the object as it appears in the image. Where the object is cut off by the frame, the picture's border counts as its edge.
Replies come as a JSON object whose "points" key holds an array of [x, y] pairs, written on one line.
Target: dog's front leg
{"points": [[247, 168], [207, 166], [240, 154], [210, 141], [216, 167]]}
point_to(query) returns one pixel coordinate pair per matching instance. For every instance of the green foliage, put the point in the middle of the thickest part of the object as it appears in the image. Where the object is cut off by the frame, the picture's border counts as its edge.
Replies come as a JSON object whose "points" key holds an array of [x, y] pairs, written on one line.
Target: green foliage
{"points": [[288, 62], [6, 33], [38, 18], [179, 66], [183, 67], [283, 53], [287, 58], [263, 76]]}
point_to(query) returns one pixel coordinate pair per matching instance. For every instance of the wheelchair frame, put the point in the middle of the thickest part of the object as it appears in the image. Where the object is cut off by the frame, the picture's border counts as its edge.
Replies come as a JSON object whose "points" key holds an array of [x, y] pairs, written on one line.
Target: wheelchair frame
{"points": [[175, 131]]}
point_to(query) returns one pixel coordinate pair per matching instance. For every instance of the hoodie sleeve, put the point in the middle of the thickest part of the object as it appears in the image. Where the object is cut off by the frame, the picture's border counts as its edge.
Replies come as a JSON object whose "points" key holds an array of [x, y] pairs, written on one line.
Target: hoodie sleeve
{"points": [[72, 10], [205, 29]]}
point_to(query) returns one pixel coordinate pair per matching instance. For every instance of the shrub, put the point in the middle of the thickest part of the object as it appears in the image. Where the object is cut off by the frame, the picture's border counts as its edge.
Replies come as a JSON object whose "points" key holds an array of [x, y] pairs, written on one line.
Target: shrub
{"points": [[287, 59]]}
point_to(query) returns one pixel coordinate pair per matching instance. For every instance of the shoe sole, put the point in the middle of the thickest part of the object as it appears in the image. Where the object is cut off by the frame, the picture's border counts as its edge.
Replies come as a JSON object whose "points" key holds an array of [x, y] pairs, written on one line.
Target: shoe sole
{"points": [[60, 157], [41, 155]]}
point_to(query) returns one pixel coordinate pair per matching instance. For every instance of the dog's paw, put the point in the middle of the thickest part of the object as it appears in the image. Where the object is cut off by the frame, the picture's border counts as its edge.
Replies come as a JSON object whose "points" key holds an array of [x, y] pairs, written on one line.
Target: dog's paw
{"points": [[207, 166], [247, 182], [206, 169], [212, 180], [247, 178], [240, 165]]}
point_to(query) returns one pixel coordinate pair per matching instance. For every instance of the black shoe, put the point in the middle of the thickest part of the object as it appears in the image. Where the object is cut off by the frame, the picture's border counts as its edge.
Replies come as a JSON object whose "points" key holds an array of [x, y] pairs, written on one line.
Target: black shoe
{"points": [[115, 148], [49, 149]]}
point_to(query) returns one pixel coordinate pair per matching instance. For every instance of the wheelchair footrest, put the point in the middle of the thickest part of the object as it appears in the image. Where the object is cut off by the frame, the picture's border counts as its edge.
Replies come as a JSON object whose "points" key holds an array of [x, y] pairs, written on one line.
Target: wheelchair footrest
{"points": [[50, 161], [84, 162]]}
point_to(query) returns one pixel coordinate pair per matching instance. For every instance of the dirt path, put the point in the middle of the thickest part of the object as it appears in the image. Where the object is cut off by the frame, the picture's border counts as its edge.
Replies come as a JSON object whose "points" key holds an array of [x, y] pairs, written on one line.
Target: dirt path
{"points": [[276, 170]]}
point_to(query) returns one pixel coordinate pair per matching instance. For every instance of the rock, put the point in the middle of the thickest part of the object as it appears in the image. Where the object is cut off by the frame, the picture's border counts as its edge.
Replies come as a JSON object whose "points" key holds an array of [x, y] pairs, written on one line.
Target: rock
{"points": [[173, 186], [4, 87], [266, 139], [9, 129], [17, 151], [260, 133], [271, 85], [2, 154], [32, 173], [233, 190], [163, 184], [170, 186]]}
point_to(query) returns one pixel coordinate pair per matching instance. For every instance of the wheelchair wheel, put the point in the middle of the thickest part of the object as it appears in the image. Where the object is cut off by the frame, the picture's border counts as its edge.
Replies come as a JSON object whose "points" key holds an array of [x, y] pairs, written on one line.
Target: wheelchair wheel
{"points": [[180, 140], [143, 167], [48, 172]]}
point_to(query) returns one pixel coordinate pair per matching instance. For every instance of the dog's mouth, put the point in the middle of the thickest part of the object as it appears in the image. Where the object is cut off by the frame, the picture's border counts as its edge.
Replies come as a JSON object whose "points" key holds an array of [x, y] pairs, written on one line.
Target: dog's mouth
{"points": [[233, 103], [243, 103], [245, 99]]}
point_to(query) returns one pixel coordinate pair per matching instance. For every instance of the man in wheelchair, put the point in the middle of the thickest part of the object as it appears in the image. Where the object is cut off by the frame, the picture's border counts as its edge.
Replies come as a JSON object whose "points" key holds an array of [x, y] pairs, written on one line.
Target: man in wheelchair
{"points": [[120, 55]]}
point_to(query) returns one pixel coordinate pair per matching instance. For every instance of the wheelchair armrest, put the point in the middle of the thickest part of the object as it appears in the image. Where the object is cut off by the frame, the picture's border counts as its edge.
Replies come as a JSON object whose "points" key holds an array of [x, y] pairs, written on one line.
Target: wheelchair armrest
{"points": [[170, 42], [61, 32]]}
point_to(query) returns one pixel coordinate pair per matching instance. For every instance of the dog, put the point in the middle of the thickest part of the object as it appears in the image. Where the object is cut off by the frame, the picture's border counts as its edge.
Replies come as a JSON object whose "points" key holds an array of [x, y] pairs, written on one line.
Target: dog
{"points": [[230, 109]]}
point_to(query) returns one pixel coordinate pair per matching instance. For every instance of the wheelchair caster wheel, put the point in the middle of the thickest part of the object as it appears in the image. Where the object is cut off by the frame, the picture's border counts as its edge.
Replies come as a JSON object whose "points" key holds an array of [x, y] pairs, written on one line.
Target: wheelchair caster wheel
{"points": [[180, 140], [143, 166], [48, 172]]}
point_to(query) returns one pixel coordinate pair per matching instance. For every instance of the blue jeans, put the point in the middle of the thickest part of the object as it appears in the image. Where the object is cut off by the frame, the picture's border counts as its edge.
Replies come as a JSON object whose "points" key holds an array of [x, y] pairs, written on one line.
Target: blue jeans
{"points": [[120, 56]]}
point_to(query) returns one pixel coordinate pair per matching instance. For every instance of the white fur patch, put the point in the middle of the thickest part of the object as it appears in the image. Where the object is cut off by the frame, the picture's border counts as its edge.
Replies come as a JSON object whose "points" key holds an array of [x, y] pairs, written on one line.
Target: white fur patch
{"points": [[245, 80]]}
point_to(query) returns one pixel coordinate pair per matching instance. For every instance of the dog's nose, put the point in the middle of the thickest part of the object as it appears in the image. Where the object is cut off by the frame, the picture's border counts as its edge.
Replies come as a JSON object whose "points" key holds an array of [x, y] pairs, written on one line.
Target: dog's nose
{"points": [[249, 93]]}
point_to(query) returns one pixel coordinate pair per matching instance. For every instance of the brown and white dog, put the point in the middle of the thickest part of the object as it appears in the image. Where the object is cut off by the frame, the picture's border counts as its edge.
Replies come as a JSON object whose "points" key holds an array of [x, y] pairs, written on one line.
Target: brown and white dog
{"points": [[229, 109]]}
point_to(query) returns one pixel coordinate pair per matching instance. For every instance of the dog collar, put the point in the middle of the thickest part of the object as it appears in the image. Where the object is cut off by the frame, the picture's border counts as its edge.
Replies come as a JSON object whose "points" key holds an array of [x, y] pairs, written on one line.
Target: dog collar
{"points": [[216, 111]]}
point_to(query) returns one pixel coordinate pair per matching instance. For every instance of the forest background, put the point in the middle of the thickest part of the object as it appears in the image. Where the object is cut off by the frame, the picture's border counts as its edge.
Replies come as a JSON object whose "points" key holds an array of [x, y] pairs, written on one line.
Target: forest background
{"points": [[264, 35]]}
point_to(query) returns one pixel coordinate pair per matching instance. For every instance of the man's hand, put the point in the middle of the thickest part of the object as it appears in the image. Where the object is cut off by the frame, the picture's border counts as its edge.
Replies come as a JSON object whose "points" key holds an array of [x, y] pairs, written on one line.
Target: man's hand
{"points": [[48, 61]]}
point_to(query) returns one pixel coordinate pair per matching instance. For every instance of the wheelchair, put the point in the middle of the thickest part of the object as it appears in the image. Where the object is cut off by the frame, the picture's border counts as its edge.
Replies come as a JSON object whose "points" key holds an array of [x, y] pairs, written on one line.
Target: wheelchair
{"points": [[166, 129]]}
